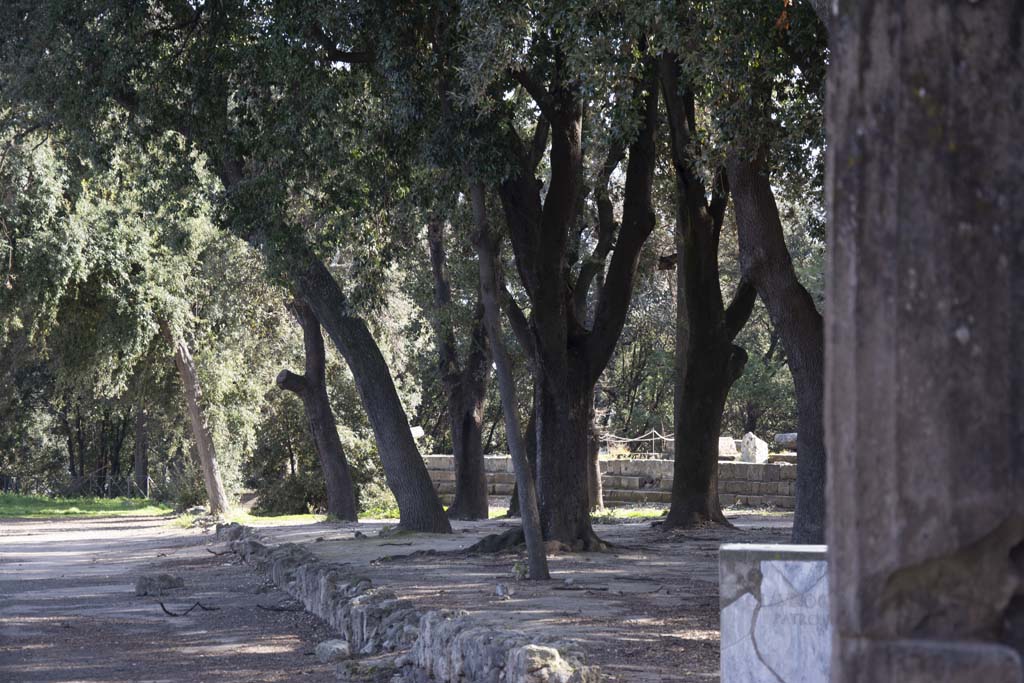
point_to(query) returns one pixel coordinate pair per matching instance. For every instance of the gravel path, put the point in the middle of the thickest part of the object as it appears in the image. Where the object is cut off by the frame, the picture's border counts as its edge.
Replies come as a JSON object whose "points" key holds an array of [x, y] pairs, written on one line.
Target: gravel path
{"points": [[68, 611]]}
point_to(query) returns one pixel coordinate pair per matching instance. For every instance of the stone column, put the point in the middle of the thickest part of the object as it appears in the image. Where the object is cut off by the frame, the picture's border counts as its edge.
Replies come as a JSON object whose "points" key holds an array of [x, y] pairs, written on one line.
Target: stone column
{"points": [[925, 340]]}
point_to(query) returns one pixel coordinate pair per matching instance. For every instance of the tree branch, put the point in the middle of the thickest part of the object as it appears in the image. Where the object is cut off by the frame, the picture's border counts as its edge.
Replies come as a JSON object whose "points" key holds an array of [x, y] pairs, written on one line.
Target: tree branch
{"points": [[289, 381], [740, 308]]}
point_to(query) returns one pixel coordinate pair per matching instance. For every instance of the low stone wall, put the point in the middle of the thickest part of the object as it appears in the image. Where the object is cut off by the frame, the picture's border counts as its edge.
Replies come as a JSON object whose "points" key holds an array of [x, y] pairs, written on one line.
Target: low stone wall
{"points": [[631, 481], [447, 645]]}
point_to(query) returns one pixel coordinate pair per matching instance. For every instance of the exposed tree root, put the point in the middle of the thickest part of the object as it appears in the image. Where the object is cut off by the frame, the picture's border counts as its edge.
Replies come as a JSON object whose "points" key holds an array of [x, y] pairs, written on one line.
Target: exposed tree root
{"points": [[198, 604]]}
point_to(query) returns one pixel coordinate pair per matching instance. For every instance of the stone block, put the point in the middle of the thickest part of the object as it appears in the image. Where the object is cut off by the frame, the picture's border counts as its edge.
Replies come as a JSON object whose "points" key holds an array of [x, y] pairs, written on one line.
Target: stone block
{"points": [[775, 613], [728, 470], [787, 440], [782, 457], [771, 473], [618, 481], [501, 477], [439, 462], [333, 651], [787, 472], [727, 446], [498, 463], [644, 496], [441, 475], [754, 449]]}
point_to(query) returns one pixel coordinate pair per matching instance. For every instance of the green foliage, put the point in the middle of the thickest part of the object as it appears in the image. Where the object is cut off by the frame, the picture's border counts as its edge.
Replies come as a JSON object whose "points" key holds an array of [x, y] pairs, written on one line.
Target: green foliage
{"points": [[18, 505]]}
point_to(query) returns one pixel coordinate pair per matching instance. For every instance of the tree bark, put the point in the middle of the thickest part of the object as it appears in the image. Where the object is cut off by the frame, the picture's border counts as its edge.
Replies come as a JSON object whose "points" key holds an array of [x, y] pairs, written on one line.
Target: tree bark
{"points": [[406, 474], [568, 356], [707, 362], [766, 263], [201, 436], [489, 265], [924, 405], [465, 388], [312, 389]]}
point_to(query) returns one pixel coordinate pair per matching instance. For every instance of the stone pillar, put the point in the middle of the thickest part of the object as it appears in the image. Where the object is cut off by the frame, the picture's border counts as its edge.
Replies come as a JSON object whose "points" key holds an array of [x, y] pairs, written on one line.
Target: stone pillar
{"points": [[925, 341]]}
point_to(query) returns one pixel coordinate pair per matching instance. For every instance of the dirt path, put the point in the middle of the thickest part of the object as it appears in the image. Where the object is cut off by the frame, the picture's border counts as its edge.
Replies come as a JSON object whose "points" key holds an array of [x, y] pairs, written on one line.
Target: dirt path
{"points": [[68, 611]]}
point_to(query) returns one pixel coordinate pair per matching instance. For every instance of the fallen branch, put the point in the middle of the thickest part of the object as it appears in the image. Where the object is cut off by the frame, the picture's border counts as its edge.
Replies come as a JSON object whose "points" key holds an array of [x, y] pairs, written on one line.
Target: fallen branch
{"points": [[198, 604], [214, 552]]}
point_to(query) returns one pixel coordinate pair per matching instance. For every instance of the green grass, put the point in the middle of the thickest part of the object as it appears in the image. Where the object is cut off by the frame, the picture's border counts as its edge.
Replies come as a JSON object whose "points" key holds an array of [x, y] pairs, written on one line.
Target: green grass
{"points": [[248, 518], [619, 515], [18, 505]]}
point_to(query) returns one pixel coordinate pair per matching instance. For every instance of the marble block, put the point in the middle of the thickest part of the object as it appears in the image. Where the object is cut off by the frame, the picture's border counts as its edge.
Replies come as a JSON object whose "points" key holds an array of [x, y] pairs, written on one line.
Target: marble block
{"points": [[775, 615]]}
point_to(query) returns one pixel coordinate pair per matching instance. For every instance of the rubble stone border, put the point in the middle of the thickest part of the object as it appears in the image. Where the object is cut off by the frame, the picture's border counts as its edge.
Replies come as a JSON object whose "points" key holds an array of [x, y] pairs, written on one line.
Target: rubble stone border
{"points": [[448, 646]]}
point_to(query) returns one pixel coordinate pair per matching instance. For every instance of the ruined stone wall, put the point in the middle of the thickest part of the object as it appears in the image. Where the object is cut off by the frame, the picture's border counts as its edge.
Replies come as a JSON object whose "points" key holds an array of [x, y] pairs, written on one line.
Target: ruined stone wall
{"points": [[632, 481]]}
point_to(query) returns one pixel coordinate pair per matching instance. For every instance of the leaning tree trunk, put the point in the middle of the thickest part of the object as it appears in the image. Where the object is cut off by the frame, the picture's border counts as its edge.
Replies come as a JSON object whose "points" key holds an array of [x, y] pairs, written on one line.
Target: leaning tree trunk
{"points": [[766, 263], [203, 440], [531, 456], [406, 475], [465, 388], [312, 389], [528, 503]]}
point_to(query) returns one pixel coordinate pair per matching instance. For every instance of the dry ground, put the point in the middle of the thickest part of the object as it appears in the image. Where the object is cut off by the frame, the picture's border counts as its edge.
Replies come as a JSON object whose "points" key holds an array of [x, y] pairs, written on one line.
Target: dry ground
{"points": [[645, 611], [68, 611]]}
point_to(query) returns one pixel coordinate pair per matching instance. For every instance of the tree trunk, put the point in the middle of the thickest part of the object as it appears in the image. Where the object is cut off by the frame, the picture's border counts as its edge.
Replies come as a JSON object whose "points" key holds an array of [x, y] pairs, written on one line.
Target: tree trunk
{"points": [[203, 440], [465, 388], [924, 335], [568, 356], [766, 263], [594, 488], [312, 389], [707, 362], [406, 474], [531, 456], [528, 504]]}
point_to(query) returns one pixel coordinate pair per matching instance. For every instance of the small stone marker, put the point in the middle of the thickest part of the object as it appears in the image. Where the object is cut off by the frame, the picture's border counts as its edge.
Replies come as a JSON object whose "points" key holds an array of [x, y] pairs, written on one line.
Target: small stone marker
{"points": [[333, 651], [727, 447], [753, 449], [775, 614]]}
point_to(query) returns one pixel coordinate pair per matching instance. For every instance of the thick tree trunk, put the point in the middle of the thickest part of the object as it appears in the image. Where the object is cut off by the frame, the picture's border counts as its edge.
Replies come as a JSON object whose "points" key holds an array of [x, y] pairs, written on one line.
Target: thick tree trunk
{"points": [[563, 438], [141, 450], [568, 357], [528, 504], [465, 387], [312, 389], [203, 440], [406, 474], [925, 341], [766, 263], [707, 362]]}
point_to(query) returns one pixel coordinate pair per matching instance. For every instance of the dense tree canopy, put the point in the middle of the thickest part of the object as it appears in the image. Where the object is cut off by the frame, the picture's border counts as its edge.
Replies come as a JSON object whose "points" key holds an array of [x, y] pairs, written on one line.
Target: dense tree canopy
{"points": [[195, 174]]}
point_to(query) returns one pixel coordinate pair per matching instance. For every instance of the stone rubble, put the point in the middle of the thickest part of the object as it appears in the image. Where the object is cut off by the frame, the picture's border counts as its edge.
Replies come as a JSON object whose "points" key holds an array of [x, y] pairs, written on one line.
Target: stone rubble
{"points": [[441, 645]]}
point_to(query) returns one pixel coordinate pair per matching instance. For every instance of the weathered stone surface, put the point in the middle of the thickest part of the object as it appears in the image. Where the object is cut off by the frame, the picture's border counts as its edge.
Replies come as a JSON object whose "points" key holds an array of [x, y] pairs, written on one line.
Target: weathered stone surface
{"points": [[727, 447], [775, 613], [333, 650], [157, 584], [451, 647], [787, 440], [754, 449]]}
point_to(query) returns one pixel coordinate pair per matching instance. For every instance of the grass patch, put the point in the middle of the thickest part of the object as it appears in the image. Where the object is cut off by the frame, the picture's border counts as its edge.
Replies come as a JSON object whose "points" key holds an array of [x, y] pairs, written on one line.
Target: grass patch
{"points": [[250, 519], [31, 506], [628, 514]]}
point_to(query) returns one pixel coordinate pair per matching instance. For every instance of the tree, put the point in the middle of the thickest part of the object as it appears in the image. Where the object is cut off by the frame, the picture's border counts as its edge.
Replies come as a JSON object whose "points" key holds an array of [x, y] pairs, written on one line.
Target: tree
{"points": [[311, 387], [707, 361], [525, 489], [465, 386], [220, 92]]}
